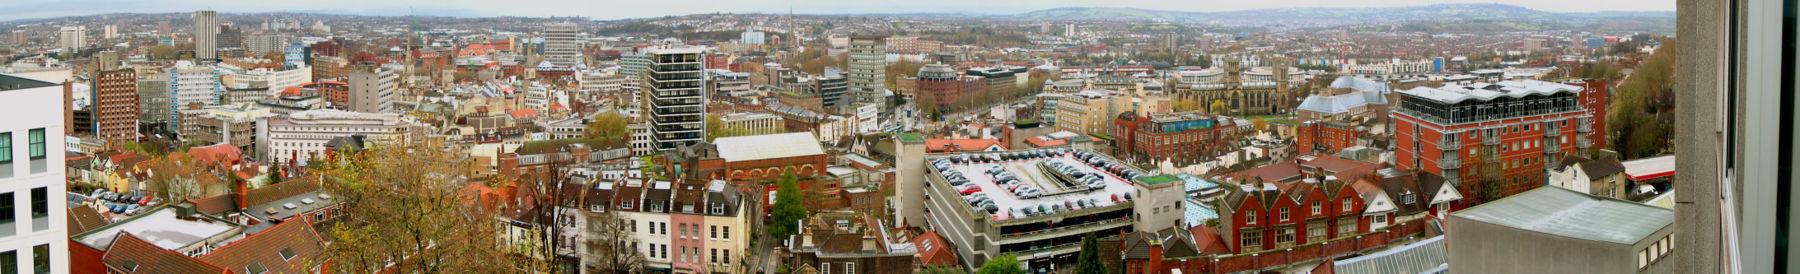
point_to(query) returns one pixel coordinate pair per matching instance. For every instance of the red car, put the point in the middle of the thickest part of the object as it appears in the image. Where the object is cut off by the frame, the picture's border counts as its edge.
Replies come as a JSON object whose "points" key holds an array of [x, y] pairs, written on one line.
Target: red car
{"points": [[971, 189]]}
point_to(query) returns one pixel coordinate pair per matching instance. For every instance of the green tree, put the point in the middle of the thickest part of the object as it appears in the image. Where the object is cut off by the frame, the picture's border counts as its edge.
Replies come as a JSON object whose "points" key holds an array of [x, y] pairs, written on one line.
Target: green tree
{"points": [[1003, 264], [275, 174], [1089, 260], [789, 207], [714, 126], [1218, 107], [941, 270], [609, 128]]}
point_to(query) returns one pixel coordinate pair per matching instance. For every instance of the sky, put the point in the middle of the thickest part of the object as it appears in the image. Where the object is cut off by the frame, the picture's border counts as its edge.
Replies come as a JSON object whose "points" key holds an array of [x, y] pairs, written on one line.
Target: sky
{"points": [[617, 9]]}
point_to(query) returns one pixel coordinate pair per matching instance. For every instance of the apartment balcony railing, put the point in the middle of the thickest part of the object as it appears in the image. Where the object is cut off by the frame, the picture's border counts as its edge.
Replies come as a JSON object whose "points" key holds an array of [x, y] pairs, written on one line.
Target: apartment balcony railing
{"points": [[1449, 162], [1552, 147], [1449, 144], [1488, 140], [1583, 143]]}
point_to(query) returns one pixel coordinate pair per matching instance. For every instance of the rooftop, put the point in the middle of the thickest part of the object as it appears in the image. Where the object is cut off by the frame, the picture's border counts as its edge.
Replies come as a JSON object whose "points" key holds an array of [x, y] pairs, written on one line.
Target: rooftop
{"points": [[768, 146], [1451, 93], [161, 227], [1562, 212], [1650, 168], [10, 82], [1037, 172]]}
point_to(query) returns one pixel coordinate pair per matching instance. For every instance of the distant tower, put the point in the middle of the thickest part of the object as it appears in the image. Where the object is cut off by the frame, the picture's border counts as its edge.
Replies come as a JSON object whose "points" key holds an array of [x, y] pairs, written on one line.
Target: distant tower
{"points": [[206, 35]]}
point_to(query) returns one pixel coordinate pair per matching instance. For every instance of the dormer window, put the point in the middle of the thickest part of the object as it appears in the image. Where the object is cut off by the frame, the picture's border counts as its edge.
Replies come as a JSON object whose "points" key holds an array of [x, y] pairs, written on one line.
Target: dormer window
{"points": [[626, 204], [287, 254], [718, 209], [1408, 198]]}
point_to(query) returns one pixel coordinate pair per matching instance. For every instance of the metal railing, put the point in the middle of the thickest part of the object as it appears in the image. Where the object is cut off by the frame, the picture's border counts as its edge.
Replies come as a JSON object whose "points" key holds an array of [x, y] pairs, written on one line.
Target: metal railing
{"points": [[1449, 162]]}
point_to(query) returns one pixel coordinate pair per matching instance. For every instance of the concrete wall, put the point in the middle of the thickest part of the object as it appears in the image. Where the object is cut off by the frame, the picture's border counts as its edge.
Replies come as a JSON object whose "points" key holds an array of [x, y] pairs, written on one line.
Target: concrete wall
{"points": [[1478, 247]]}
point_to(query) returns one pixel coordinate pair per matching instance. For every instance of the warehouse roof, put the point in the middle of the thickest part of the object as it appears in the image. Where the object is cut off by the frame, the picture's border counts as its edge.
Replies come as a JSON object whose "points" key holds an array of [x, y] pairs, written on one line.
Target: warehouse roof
{"points": [[1563, 212]]}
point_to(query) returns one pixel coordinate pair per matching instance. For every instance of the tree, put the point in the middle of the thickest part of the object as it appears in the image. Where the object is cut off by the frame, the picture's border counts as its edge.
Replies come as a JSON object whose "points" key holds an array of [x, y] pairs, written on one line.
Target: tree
{"points": [[609, 128], [789, 207], [900, 68], [1186, 105], [714, 126], [1003, 264], [941, 270], [402, 212], [275, 175], [1088, 262], [1218, 107], [926, 102], [176, 177], [557, 200], [1260, 123]]}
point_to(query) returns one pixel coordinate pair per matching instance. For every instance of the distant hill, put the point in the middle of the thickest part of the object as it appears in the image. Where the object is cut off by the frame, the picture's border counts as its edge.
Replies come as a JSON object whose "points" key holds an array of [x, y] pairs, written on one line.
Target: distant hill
{"points": [[1465, 12]]}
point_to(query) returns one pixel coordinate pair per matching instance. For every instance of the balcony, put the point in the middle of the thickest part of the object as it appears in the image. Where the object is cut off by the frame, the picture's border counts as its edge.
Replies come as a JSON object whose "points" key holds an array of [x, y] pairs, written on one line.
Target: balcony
{"points": [[1585, 129], [1449, 162], [1552, 147], [1583, 143], [1488, 140], [1552, 132], [1449, 144], [1490, 156]]}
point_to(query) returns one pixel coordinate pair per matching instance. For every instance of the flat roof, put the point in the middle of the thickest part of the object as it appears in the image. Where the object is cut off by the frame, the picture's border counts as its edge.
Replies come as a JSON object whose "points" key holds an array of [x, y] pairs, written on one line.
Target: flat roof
{"points": [[1650, 168], [12, 82], [768, 146], [1563, 212], [1452, 93], [160, 227], [1028, 173]]}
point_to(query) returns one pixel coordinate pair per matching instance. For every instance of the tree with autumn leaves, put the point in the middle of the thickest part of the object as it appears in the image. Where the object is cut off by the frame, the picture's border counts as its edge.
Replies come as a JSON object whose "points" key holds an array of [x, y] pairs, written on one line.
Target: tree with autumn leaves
{"points": [[404, 211]]}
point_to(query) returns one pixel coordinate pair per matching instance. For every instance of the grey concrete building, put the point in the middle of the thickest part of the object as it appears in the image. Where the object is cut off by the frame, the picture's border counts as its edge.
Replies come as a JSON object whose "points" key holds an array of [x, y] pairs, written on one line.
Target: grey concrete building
{"points": [[868, 68], [372, 91], [206, 34], [1556, 230]]}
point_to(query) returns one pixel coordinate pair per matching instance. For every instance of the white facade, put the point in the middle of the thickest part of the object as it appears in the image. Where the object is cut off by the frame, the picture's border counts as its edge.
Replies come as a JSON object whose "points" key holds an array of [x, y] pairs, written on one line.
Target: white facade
{"points": [[73, 38], [641, 145], [304, 134], [559, 44], [867, 118], [277, 80], [373, 91], [31, 175], [192, 84]]}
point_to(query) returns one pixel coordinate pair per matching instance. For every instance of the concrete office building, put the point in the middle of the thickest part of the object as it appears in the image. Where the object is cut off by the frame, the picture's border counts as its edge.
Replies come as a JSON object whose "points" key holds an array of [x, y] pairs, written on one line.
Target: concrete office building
{"points": [[33, 236], [206, 35], [1556, 230], [675, 104], [302, 135], [373, 90], [73, 38], [115, 105], [191, 84], [868, 69], [560, 48], [1079, 191]]}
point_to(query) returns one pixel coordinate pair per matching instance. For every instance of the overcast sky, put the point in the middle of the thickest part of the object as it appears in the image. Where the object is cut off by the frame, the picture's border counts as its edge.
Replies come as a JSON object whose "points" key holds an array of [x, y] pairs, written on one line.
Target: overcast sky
{"points": [[618, 9]]}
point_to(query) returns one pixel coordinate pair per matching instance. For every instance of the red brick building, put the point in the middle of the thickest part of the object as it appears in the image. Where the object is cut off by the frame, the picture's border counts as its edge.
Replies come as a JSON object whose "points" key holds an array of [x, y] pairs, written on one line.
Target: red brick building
{"points": [[115, 109], [1327, 137], [1504, 134], [943, 84], [1173, 135], [1272, 216]]}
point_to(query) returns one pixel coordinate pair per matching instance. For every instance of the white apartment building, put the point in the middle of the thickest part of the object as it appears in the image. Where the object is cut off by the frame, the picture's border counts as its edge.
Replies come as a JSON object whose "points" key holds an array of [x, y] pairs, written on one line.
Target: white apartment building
{"points": [[190, 84], [867, 118], [373, 91], [33, 233], [277, 80], [73, 38], [641, 145], [304, 134]]}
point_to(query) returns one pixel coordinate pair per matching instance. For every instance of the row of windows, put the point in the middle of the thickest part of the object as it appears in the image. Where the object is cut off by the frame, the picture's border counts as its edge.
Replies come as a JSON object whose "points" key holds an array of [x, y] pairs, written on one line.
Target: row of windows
{"points": [[1656, 251], [849, 268], [1317, 209]]}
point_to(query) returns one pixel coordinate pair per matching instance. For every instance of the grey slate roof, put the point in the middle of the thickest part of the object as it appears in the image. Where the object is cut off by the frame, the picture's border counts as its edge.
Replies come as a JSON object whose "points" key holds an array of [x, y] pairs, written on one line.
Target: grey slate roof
{"points": [[1419, 257], [1563, 212]]}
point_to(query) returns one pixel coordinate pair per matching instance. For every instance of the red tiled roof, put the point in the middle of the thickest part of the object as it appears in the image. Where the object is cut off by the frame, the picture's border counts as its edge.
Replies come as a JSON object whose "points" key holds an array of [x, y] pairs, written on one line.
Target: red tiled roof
{"points": [[216, 204], [291, 91], [265, 248], [1042, 143], [82, 219], [219, 153], [278, 191], [1208, 240], [524, 113], [128, 251], [934, 250]]}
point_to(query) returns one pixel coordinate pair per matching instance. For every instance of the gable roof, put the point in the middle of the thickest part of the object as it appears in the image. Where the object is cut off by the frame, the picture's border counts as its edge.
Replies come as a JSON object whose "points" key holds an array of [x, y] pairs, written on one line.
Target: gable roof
{"points": [[135, 255], [82, 219], [934, 250], [289, 247]]}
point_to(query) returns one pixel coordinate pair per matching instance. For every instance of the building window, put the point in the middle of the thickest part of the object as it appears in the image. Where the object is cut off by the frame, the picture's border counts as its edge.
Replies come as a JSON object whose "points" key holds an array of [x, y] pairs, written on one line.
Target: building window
{"points": [[1284, 238], [1347, 208], [727, 258], [9, 262], [1250, 217], [684, 233], [634, 226], [663, 227], [1284, 214], [1250, 241], [6, 152], [1643, 258], [40, 209], [40, 258], [37, 144], [727, 233], [849, 268], [824, 268], [712, 232], [1316, 232], [1346, 227], [1317, 208], [8, 215]]}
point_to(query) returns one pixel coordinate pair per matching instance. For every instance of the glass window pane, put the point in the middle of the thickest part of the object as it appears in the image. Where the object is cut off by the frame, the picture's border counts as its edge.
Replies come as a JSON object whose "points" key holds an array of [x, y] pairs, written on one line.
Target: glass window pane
{"points": [[6, 147], [40, 209], [40, 259]]}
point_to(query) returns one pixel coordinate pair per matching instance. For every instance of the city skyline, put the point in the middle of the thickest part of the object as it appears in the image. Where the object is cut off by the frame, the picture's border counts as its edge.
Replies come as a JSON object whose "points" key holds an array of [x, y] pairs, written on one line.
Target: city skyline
{"points": [[44, 9]]}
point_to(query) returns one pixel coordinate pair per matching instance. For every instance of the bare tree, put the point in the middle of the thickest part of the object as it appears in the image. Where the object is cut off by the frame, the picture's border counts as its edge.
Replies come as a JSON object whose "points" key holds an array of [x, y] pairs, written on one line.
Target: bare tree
{"points": [[610, 244], [556, 201]]}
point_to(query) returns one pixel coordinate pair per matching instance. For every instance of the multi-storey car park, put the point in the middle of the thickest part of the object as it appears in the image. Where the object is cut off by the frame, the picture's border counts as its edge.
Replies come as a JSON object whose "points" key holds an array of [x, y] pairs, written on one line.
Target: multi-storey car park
{"points": [[1038, 204]]}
